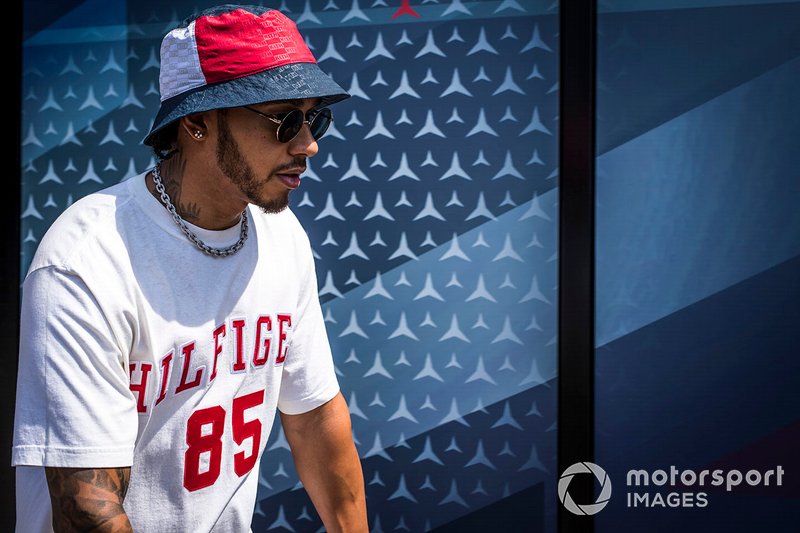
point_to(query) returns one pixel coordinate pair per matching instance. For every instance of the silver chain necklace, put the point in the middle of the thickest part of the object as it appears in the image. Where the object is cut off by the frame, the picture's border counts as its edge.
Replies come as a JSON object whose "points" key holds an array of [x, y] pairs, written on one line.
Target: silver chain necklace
{"points": [[215, 252]]}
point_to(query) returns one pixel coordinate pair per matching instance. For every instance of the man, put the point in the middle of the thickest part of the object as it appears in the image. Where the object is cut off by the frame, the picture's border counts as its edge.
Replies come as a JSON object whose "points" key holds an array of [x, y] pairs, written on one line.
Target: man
{"points": [[165, 319]]}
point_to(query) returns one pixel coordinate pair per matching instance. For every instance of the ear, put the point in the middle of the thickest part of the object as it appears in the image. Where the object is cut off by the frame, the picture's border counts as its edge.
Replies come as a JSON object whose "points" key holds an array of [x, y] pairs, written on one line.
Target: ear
{"points": [[196, 126]]}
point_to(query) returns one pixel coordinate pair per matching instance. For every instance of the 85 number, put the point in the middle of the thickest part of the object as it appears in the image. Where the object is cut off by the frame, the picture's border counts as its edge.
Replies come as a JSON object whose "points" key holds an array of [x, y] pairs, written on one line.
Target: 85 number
{"points": [[211, 441]]}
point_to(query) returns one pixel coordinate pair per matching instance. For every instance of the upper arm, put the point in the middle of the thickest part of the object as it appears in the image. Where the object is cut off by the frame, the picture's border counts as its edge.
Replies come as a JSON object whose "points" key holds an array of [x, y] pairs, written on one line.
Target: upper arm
{"points": [[330, 420], [328, 465], [74, 406], [88, 499], [308, 378]]}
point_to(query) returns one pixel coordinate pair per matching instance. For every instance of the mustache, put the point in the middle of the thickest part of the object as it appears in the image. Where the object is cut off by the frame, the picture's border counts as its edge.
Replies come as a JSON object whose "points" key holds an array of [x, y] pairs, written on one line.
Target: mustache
{"points": [[296, 162]]}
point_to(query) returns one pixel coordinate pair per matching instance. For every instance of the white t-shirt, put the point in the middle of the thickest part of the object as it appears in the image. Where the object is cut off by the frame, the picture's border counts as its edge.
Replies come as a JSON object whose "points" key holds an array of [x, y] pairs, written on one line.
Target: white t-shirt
{"points": [[139, 350]]}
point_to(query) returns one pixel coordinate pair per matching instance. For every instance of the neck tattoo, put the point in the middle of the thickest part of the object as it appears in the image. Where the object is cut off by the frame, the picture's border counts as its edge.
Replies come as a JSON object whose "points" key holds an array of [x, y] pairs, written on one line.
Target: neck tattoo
{"points": [[215, 252]]}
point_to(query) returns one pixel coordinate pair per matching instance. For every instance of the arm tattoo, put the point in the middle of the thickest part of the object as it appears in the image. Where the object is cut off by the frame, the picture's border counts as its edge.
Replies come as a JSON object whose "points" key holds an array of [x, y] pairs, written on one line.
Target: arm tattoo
{"points": [[89, 499]]}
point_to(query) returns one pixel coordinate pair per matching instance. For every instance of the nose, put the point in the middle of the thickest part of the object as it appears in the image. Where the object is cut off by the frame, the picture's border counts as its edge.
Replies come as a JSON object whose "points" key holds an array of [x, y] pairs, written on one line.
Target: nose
{"points": [[304, 143]]}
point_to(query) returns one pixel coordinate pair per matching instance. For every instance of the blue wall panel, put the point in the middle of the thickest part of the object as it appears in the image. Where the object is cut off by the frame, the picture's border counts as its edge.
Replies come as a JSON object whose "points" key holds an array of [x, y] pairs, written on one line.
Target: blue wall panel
{"points": [[698, 257]]}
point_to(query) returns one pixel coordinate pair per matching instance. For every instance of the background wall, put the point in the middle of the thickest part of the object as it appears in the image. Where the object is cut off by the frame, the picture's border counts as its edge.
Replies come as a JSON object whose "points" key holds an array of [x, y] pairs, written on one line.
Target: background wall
{"points": [[454, 122], [431, 210], [698, 255]]}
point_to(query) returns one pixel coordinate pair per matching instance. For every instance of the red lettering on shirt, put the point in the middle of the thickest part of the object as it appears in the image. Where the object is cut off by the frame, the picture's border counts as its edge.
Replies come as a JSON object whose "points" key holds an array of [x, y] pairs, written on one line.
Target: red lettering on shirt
{"points": [[238, 328], [140, 388], [284, 325], [259, 357], [219, 332], [166, 365], [186, 354]]}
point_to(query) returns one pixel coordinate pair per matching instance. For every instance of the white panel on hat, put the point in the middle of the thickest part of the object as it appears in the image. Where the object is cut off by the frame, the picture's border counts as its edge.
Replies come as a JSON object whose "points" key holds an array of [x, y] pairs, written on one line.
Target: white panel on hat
{"points": [[180, 64]]}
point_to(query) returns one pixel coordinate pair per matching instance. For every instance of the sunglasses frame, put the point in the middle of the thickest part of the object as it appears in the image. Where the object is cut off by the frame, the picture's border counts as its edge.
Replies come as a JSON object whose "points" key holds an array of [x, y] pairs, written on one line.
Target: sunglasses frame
{"points": [[280, 121]]}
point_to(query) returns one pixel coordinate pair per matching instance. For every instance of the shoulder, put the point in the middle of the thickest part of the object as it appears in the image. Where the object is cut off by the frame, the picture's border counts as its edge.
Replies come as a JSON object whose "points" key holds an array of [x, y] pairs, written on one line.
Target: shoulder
{"points": [[289, 237], [287, 223], [286, 219], [84, 225]]}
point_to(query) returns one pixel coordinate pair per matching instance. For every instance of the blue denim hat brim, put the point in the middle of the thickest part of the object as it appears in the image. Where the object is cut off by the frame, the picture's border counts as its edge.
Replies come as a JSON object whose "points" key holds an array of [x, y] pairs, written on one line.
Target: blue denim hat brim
{"points": [[287, 82]]}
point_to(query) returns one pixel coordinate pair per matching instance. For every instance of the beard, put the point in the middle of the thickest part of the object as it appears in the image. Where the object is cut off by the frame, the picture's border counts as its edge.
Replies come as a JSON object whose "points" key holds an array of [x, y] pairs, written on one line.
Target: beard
{"points": [[233, 165]]}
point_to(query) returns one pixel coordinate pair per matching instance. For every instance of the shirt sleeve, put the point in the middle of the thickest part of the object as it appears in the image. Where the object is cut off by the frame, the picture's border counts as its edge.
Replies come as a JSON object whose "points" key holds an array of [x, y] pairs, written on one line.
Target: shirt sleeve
{"points": [[74, 407], [309, 379]]}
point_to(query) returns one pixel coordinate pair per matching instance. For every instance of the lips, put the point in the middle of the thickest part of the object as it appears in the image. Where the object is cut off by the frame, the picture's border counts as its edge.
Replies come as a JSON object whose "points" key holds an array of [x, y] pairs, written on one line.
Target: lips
{"points": [[291, 177]]}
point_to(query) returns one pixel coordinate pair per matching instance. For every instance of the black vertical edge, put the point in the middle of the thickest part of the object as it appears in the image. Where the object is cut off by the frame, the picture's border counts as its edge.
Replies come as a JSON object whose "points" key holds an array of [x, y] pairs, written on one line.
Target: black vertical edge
{"points": [[10, 273], [576, 250]]}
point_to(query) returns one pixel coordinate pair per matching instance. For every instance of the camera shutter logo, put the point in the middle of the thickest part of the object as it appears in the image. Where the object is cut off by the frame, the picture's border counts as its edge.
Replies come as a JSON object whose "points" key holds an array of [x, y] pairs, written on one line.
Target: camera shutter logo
{"points": [[584, 468]]}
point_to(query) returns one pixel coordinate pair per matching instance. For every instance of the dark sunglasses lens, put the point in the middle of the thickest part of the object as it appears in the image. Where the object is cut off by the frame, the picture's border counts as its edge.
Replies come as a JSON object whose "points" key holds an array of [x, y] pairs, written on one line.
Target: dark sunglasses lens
{"points": [[320, 122], [290, 125]]}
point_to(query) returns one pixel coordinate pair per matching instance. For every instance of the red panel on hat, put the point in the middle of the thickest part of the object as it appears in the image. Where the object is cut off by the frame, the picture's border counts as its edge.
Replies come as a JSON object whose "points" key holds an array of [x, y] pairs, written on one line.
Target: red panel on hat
{"points": [[239, 43]]}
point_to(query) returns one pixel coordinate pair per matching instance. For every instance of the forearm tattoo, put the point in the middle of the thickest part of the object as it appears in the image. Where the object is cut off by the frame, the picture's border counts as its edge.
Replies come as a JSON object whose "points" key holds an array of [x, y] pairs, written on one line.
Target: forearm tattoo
{"points": [[89, 499]]}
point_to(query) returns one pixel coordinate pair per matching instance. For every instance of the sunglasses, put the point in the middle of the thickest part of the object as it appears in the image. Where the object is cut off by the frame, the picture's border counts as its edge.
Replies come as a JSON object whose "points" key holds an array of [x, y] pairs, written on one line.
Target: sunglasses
{"points": [[290, 124]]}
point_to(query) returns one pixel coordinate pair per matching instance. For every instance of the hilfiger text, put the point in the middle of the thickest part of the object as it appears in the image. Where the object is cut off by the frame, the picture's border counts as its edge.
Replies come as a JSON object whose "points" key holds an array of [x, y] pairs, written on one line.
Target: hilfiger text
{"points": [[177, 370]]}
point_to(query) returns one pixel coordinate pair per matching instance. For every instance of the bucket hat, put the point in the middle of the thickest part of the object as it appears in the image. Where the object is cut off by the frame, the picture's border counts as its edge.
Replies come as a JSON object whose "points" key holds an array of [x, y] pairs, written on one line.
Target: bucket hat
{"points": [[236, 55]]}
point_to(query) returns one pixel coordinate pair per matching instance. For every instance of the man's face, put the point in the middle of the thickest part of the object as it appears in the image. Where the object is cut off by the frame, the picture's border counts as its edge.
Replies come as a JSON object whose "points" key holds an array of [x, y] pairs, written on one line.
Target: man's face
{"points": [[249, 154]]}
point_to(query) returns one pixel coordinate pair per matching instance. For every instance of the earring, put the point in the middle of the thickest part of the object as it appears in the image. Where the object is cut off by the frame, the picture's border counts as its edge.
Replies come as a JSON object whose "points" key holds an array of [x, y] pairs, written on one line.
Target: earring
{"points": [[198, 134]]}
